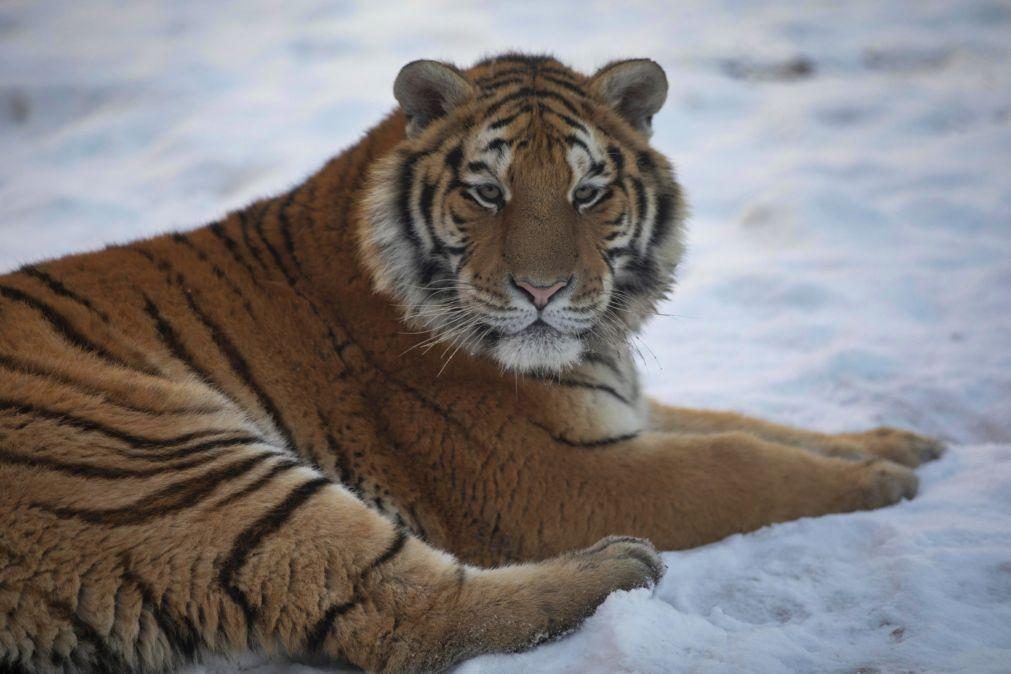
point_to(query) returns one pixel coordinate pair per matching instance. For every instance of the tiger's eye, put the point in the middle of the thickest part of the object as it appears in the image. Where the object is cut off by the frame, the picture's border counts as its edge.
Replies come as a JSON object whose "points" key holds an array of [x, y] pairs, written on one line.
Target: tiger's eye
{"points": [[489, 192], [584, 194]]}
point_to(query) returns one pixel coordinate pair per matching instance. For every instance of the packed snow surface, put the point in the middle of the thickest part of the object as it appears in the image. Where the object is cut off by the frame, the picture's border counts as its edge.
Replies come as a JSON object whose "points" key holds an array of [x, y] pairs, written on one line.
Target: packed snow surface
{"points": [[849, 168]]}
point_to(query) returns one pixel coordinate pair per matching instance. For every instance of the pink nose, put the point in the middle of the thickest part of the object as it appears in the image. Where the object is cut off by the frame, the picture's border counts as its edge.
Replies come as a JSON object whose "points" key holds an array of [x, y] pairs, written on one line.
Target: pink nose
{"points": [[541, 295]]}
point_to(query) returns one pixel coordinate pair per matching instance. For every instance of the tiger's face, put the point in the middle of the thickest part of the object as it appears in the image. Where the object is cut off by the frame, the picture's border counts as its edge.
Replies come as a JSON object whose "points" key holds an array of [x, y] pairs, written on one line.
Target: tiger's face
{"points": [[525, 216]]}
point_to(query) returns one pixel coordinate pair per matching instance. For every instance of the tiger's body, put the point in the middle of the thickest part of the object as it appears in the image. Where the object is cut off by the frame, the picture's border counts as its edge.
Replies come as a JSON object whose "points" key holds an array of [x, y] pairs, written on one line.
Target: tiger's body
{"points": [[226, 439]]}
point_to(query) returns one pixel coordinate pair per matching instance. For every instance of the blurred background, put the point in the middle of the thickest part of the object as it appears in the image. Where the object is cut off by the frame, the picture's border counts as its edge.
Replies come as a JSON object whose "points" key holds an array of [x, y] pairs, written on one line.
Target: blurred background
{"points": [[849, 170]]}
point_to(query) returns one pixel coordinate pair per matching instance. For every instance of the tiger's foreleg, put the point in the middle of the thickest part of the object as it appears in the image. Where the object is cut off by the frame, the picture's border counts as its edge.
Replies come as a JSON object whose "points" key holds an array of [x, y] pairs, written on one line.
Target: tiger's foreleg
{"points": [[382, 600], [682, 491]]}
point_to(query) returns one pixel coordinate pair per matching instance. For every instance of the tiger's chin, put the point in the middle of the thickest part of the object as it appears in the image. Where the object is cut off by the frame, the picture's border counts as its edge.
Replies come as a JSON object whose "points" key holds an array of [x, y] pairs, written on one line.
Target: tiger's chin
{"points": [[537, 349]]}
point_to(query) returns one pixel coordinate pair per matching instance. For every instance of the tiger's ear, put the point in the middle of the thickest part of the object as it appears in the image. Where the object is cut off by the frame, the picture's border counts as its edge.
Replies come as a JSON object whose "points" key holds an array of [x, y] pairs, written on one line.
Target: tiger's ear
{"points": [[636, 89], [427, 90]]}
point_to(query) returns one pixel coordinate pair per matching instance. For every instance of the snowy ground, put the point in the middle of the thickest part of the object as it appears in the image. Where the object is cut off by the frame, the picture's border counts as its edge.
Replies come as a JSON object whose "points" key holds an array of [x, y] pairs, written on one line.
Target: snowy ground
{"points": [[849, 166]]}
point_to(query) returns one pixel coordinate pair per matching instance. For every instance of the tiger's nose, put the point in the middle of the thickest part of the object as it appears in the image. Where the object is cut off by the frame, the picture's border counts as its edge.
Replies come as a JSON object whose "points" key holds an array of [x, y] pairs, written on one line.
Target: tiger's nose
{"points": [[540, 295]]}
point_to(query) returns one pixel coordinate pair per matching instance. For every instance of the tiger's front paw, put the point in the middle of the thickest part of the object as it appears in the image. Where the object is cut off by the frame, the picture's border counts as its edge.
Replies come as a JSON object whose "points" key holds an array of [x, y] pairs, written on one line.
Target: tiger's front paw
{"points": [[624, 562], [512, 608], [579, 581], [908, 449]]}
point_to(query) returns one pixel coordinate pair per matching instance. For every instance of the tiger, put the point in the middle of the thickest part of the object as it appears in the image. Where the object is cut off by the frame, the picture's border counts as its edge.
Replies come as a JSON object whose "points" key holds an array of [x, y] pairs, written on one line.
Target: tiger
{"points": [[389, 418]]}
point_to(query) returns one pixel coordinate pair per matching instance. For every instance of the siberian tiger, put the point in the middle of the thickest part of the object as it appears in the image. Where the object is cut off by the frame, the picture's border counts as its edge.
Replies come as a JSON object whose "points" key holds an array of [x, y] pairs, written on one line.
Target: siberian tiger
{"points": [[240, 437]]}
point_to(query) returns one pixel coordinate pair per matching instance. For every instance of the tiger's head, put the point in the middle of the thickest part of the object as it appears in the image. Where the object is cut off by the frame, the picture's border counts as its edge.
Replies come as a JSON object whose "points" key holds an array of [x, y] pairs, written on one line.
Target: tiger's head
{"points": [[525, 215]]}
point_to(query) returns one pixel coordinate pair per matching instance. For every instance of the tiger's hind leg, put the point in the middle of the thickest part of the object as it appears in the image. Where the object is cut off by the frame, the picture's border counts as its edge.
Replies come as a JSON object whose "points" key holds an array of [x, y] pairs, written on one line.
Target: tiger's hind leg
{"points": [[123, 552], [903, 447]]}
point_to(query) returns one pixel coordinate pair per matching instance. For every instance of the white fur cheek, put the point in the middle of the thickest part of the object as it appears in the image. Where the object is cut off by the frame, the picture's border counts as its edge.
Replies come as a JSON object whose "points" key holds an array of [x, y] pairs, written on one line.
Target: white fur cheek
{"points": [[394, 265], [535, 353]]}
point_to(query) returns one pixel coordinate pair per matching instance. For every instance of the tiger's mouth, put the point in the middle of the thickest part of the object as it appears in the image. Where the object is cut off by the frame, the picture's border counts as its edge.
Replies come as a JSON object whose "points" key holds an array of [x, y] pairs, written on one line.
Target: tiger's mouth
{"points": [[537, 347], [540, 327]]}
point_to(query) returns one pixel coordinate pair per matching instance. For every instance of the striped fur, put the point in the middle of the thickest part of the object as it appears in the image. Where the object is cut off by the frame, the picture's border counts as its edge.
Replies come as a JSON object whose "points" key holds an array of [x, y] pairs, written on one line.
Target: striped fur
{"points": [[225, 439]]}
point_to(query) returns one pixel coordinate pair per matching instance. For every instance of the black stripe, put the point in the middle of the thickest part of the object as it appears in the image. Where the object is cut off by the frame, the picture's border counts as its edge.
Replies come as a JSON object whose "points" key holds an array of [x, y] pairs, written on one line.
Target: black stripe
{"points": [[243, 217], [270, 247], [574, 88], [27, 368], [595, 170], [218, 272], [345, 472], [599, 359], [585, 444], [596, 442], [392, 550], [495, 74], [253, 535], [641, 275], [618, 157], [63, 291], [91, 471], [233, 248], [170, 499], [89, 425], [241, 368], [506, 121], [492, 87], [195, 449], [530, 61], [66, 330], [554, 96], [497, 144], [465, 258], [640, 206], [573, 141], [182, 635], [170, 338], [645, 162], [663, 219], [592, 386], [618, 221], [454, 158], [620, 251], [558, 72], [529, 92], [568, 120], [282, 466], [285, 227], [406, 188], [426, 204], [607, 196], [318, 633], [102, 658]]}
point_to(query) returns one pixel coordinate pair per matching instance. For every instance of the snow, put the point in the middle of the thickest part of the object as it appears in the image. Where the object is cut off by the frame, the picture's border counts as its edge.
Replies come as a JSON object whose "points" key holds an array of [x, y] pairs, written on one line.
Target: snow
{"points": [[849, 260]]}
